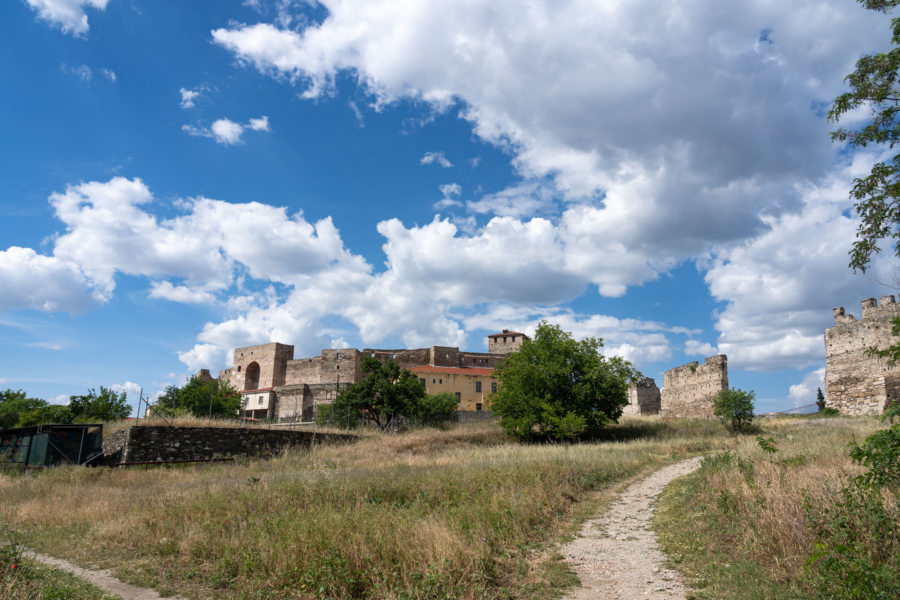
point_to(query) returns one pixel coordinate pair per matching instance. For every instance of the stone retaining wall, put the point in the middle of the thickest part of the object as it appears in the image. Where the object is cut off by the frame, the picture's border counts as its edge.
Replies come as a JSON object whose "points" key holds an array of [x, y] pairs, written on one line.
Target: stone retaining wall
{"points": [[160, 443]]}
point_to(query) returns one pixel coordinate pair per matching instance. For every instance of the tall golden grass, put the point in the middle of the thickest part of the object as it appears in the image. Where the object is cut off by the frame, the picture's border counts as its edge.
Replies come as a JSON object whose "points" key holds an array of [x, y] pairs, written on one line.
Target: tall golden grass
{"points": [[740, 527], [461, 513]]}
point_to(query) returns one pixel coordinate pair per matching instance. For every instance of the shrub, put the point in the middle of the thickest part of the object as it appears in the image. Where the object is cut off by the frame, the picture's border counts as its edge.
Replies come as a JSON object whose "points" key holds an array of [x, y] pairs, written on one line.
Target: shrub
{"points": [[438, 409], [734, 408]]}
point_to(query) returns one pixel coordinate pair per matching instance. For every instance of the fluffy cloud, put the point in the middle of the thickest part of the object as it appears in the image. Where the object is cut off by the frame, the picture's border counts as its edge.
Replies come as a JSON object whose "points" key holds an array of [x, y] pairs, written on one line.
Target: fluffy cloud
{"points": [[450, 192], [697, 348], [68, 15], [188, 97], [804, 393], [226, 131], [436, 157], [780, 286], [31, 280]]}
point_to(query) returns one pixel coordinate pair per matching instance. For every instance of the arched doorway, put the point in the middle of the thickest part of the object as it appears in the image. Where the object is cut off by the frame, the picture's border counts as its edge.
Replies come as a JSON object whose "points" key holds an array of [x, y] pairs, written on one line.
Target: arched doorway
{"points": [[251, 378]]}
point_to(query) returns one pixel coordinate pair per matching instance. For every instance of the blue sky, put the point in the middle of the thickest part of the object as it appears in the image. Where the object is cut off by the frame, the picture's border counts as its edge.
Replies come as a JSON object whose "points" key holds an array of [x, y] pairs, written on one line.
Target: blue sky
{"points": [[180, 178]]}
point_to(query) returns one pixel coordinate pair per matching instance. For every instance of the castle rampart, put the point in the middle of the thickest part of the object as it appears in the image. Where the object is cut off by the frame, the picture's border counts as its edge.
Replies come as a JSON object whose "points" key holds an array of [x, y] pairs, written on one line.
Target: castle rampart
{"points": [[643, 398], [856, 383], [689, 390]]}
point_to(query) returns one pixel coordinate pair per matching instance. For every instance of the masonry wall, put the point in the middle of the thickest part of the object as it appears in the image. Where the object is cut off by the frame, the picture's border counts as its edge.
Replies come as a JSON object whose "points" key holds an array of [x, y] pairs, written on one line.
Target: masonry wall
{"points": [[297, 403], [272, 360], [331, 366], [688, 390], [406, 358], [160, 444], [643, 398], [857, 384]]}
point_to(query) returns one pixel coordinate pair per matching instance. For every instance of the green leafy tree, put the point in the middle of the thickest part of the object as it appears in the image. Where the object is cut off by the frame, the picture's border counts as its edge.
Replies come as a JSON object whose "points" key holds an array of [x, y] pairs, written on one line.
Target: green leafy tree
{"points": [[385, 391], [105, 405], [558, 388], [438, 409], [194, 399], [734, 408], [14, 404], [820, 399], [51, 413], [874, 85]]}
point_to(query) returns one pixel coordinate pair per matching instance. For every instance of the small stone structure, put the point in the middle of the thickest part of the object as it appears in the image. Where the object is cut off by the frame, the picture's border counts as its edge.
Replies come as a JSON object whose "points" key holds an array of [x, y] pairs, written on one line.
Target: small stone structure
{"points": [[856, 383], [688, 390], [643, 398], [163, 444]]}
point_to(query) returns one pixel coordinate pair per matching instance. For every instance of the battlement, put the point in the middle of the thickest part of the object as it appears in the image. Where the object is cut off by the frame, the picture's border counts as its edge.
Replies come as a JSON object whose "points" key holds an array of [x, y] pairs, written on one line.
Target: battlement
{"points": [[886, 306], [857, 383]]}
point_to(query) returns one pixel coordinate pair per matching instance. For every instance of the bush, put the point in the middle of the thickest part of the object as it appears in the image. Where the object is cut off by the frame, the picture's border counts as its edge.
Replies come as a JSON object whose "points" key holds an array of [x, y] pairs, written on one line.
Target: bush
{"points": [[337, 415], [438, 409], [734, 408]]}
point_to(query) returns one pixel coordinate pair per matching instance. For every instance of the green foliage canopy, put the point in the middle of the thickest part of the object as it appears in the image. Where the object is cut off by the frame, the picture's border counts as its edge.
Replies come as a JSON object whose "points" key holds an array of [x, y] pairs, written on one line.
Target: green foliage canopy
{"points": [[194, 399], [734, 408], [874, 84], [437, 409], [385, 390], [557, 388], [14, 404], [105, 405]]}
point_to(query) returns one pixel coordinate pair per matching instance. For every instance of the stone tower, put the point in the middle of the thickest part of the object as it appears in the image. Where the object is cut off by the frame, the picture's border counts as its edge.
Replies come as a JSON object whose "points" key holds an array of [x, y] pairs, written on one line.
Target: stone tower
{"points": [[259, 367], [505, 342], [856, 383]]}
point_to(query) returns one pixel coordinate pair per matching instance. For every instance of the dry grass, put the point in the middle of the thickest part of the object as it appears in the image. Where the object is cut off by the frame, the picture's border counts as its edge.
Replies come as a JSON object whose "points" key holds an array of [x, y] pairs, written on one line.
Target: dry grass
{"points": [[461, 513], [740, 525]]}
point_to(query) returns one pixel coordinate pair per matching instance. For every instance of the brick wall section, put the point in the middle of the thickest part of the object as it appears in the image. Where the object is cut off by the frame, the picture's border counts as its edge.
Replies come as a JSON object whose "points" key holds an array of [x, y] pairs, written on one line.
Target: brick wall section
{"points": [[688, 390], [159, 444], [643, 398], [857, 384]]}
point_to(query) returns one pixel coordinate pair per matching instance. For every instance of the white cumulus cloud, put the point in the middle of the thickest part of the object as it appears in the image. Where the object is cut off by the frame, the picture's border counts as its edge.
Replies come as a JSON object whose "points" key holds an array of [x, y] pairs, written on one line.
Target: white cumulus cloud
{"points": [[68, 15], [227, 132]]}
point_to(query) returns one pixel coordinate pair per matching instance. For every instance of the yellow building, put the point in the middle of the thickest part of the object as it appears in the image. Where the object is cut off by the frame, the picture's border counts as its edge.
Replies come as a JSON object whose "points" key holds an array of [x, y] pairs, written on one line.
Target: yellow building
{"points": [[472, 386]]}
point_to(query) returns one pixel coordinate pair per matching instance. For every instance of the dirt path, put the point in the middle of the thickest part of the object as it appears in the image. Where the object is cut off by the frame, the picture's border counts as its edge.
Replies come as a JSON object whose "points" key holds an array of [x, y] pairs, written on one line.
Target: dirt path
{"points": [[102, 579], [616, 556]]}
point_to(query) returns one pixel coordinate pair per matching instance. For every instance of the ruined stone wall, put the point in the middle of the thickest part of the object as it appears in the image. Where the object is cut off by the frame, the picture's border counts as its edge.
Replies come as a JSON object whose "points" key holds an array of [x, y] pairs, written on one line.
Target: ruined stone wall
{"points": [[643, 398], [688, 390], [158, 443], [857, 384], [298, 402], [406, 358]]}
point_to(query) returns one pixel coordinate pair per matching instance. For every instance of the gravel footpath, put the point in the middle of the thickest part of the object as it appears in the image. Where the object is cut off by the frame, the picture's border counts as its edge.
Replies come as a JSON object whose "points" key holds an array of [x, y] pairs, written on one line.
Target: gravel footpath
{"points": [[102, 579], [616, 556]]}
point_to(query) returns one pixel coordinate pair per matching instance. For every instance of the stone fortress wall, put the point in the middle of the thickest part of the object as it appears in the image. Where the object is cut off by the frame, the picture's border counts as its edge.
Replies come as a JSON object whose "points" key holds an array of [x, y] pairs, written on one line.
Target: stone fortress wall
{"points": [[289, 389], [688, 390], [643, 398], [855, 383]]}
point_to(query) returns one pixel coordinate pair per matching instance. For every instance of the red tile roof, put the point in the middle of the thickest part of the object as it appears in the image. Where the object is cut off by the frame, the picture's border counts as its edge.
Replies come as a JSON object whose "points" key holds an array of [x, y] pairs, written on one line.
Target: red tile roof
{"points": [[485, 371], [506, 332]]}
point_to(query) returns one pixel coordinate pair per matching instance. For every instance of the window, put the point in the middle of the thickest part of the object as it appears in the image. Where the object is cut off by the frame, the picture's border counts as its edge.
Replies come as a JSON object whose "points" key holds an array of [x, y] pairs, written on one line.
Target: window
{"points": [[432, 381], [493, 387], [478, 406], [458, 397], [339, 356], [261, 399], [422, 380], [239, 368], [440, 381], [477, 387]]}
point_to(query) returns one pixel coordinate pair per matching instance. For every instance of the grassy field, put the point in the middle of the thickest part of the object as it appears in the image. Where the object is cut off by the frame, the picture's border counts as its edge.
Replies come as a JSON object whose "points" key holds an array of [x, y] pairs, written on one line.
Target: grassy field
{"points": [[461, 513], [753, 522]]}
